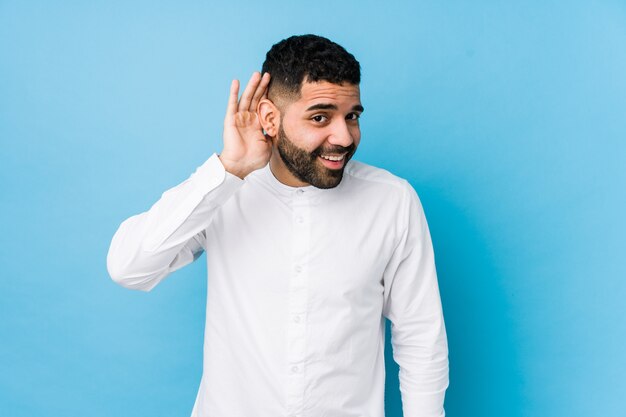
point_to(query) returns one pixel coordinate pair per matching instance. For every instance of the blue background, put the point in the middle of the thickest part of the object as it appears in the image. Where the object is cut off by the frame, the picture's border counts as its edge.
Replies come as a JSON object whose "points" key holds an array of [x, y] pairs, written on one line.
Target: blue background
{"points": [[509, 119]]}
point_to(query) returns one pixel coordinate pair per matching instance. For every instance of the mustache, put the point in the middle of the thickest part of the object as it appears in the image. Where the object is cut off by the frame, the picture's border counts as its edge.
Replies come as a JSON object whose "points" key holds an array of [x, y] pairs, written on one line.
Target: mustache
{"points": [[335, 149]]}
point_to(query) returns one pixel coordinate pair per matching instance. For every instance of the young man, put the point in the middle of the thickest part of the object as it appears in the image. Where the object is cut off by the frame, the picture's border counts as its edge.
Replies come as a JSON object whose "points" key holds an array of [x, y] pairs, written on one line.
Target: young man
{"points": [[308, 252]]}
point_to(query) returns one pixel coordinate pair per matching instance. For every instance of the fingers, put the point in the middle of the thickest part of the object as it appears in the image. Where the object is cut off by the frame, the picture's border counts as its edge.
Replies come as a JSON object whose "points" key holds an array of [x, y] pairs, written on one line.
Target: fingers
{"points": [[232, 98], [261, 91], [254, 92], [248, 93]]}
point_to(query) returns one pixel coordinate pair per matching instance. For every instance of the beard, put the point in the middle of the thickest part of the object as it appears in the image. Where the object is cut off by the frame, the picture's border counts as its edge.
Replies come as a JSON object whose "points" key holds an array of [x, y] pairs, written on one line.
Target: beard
{"points": [[305, 166]]}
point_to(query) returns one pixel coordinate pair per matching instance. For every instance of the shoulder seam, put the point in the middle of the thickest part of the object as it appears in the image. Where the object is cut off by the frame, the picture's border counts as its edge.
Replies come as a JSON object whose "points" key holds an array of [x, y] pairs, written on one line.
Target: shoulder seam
{"points": [[397, 181]]}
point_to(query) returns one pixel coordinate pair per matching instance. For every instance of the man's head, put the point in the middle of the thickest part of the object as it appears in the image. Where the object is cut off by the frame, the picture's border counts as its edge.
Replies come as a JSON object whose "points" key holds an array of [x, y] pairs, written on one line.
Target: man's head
{"points": [[311, 110]]}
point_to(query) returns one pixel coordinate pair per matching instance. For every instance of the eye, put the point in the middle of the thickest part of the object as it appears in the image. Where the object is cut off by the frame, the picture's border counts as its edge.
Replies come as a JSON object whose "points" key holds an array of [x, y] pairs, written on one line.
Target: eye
{"points": [[353, 116], [319, 118]]}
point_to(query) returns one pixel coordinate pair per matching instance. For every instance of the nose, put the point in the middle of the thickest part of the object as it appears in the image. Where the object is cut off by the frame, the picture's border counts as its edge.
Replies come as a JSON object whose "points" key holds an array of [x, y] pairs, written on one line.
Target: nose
{"points": [[340, 135]]}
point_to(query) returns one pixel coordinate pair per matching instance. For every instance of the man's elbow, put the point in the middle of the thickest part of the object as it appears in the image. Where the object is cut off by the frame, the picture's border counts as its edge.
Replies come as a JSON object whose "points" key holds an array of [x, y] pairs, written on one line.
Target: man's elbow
{"points": [[122, 275]]}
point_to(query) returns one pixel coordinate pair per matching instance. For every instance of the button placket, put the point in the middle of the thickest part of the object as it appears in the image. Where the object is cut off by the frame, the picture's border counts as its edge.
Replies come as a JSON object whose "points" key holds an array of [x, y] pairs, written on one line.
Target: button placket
{"points": [[298, 288]]}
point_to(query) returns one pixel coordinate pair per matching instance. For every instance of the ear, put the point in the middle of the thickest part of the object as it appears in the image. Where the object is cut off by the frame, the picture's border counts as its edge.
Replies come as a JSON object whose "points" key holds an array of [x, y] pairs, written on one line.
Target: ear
{"points": [[269, 116]]}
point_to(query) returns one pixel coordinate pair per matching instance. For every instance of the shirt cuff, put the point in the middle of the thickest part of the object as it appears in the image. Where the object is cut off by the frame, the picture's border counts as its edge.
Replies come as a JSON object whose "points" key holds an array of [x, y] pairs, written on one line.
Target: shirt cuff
{"points": [[211, 174]]}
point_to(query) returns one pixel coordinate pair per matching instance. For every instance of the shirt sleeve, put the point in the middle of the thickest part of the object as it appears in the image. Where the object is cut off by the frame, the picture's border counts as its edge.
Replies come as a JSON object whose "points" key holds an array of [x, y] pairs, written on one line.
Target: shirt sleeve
{"points": [[413, 306], [148, 246]]}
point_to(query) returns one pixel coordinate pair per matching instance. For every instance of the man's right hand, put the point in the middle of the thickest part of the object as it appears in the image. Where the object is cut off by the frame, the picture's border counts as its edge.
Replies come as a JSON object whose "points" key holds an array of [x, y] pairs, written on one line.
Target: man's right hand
{"points": [[246, 147]]}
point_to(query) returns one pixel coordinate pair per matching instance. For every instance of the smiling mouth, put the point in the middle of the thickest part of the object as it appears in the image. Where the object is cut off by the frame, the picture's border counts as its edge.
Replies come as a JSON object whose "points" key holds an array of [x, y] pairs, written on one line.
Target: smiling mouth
{"points": [[334, 157], [333, 161]]}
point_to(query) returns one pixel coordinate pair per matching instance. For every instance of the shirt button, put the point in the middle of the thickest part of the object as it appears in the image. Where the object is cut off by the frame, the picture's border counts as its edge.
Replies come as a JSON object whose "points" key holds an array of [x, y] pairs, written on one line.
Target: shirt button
{"points": [[298, 268], [299, 219], [294, 369], [299, 192], [296, 319]]}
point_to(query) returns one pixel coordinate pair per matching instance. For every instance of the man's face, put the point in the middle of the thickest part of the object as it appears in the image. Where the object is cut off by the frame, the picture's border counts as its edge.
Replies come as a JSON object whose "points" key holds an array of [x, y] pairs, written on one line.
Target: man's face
{"points": [[319, 132]]}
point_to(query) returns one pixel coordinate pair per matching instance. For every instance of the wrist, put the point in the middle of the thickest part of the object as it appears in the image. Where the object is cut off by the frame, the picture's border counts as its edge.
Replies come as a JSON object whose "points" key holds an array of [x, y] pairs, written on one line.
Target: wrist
{"points": [[232, 167]]}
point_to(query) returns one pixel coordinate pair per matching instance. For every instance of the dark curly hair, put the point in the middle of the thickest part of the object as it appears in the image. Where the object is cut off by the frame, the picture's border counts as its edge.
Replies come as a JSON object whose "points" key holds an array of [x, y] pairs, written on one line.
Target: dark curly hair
{"points": [[311, 56]]}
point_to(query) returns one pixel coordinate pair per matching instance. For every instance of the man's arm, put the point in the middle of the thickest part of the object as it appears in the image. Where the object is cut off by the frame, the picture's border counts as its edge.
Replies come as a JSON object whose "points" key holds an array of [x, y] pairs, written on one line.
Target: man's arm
{"points": [[413, 306], [147, 247]]}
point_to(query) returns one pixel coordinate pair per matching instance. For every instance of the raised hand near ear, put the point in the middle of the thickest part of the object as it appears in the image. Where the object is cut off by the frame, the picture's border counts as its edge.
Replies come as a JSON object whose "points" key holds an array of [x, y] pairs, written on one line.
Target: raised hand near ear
{"points": [[246, 147]]}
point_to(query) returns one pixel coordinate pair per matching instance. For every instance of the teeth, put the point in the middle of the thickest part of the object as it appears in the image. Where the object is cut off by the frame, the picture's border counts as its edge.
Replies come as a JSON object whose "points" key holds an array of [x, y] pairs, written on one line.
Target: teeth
{"points": [[333, 158]]}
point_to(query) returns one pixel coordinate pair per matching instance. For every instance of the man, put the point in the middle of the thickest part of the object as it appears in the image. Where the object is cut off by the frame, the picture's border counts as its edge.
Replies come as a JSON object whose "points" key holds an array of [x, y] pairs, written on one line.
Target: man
{"points": [[307, 250]]}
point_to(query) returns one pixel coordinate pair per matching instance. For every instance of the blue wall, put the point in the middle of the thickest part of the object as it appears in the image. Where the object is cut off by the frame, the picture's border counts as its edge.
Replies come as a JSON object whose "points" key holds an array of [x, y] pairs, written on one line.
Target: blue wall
{"points": [[508, 119]]}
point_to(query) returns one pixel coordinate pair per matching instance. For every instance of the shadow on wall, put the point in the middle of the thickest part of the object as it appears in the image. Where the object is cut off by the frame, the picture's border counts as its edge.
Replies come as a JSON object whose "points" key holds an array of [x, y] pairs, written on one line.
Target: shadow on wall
{"points": [[485, 374]]}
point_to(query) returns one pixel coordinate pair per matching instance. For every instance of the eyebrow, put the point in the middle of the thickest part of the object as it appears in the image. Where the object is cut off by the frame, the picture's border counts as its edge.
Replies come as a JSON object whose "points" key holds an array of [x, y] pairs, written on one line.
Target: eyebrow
{"points": [[328, 106]]}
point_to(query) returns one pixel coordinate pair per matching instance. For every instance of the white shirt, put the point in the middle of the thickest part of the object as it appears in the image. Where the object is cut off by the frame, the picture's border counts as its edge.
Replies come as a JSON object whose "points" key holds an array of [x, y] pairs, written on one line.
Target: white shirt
{"points": [[300, 280]]}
